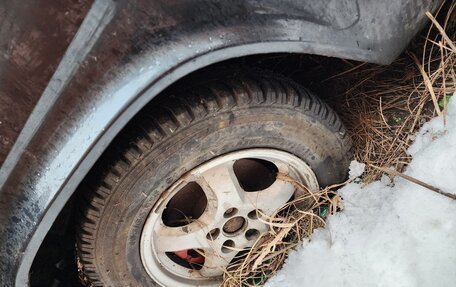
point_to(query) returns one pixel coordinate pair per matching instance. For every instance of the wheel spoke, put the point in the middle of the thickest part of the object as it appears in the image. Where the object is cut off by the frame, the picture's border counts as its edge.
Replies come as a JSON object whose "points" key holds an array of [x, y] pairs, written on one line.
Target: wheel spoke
{"points": [[272, 198], [169, 239], [216, 262], [223, 183]]}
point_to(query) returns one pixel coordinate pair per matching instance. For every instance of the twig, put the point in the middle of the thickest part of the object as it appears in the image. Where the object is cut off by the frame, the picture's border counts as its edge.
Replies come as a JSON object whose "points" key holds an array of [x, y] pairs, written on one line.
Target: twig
{"points": [[415, 181], [442, 31], [428, 84]]}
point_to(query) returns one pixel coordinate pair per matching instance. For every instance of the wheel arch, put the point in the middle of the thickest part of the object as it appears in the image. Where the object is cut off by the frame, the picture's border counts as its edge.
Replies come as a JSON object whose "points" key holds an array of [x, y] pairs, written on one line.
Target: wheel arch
{"points": [[63, 188]]}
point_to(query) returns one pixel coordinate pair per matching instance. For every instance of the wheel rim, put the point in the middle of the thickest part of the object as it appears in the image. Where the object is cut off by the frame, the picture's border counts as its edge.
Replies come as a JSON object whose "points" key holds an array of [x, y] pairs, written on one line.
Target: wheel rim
{"points": [[201, 222]]}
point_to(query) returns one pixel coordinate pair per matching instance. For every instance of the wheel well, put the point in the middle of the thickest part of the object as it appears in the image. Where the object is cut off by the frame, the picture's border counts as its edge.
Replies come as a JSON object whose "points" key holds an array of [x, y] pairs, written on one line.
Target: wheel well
{"points": [[56, 260]]}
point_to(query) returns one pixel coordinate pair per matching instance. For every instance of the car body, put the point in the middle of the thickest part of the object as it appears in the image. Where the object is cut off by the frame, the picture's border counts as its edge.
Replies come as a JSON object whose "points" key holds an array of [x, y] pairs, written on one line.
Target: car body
{"points": [[66, 97]]}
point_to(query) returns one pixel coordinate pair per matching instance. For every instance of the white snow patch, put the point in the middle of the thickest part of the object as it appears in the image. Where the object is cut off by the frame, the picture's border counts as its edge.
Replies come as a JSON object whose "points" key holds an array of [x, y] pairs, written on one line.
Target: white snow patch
{"points": [[356, 169], [399, 235]]}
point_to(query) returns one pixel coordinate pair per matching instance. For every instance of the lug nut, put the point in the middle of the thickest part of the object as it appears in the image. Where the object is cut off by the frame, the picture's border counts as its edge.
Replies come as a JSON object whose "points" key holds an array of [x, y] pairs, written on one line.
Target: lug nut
{"points": [[228, 246], [213, 234], [252, 234], [254, 214], [230, 212]]}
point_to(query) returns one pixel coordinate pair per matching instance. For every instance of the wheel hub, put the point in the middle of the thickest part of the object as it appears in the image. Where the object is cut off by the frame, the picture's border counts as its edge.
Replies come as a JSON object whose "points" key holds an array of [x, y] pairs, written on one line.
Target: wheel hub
{"points": [[234, 225], [213, 213]]}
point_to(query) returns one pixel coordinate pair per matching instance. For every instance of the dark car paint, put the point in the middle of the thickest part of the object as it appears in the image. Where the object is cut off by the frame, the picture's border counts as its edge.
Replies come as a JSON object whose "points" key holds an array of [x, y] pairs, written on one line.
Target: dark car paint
{"points": [[126, 52], [33, 39]]}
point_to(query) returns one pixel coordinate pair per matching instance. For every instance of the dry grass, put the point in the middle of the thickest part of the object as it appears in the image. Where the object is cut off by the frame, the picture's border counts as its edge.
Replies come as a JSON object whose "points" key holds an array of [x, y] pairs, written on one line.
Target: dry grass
{"points": [[386, 105], [289, 225]]}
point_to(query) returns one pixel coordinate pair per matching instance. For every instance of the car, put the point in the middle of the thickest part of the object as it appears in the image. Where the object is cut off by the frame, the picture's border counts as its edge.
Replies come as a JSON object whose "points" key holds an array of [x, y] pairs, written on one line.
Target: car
{"points": [[121, 122]]}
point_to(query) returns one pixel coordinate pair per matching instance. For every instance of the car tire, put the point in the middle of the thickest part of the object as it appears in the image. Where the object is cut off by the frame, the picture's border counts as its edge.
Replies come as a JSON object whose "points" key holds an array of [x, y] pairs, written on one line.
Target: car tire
{"points": [[242, 111]]}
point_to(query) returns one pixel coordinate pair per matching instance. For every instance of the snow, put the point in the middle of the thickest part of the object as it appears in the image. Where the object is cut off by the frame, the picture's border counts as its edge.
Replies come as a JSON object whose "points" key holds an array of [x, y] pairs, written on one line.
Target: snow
{"points": [[389, 233], [356, 169]]}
